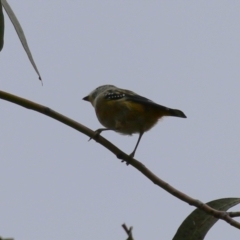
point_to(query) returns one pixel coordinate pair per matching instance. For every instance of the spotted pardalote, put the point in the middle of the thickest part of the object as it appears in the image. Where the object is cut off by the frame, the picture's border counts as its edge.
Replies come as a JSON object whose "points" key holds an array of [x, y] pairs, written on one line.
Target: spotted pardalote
{"points": [[126, 112]]}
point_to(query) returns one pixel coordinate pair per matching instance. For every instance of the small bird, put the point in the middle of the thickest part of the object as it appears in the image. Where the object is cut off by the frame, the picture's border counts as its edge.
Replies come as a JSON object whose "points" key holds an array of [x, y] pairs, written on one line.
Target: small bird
{"points": [[126, 112]]}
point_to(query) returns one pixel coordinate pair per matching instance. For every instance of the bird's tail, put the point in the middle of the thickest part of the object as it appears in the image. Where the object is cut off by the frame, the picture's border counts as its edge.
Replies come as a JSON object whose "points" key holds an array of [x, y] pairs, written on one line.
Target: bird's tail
{"points": [[176, 113]]}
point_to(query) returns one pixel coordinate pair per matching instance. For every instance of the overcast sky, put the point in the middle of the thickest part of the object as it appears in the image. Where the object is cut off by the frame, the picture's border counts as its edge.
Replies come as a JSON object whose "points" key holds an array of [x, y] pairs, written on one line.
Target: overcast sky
{"points": [[54, 184]]}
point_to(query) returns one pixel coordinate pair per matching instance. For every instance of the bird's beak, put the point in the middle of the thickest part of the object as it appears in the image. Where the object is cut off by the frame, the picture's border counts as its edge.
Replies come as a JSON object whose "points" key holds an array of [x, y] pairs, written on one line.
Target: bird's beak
{"points": [[86, 98]]}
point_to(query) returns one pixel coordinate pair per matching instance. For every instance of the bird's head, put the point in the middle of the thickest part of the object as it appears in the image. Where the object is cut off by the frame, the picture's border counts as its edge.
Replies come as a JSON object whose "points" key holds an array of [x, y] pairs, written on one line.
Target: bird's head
{"points": [[93, 95]]}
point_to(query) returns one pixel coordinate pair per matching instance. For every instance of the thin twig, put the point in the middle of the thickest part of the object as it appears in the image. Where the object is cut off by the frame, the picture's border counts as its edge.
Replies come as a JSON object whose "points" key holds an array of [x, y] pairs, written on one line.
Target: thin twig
{"points": [[128, 231], [234, 214]]}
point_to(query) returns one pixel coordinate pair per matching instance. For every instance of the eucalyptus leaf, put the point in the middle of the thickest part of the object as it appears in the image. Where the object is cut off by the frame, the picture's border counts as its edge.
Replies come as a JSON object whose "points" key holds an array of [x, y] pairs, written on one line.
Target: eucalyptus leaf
{"points": [[198, 223], [1, 27], [20, 33]]}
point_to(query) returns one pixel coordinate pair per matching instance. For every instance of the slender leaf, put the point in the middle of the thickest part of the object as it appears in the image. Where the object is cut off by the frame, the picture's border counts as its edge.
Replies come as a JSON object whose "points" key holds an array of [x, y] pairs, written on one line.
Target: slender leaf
{"points": [[20, 33], [6, 238], [198, 223], [1, 27]]}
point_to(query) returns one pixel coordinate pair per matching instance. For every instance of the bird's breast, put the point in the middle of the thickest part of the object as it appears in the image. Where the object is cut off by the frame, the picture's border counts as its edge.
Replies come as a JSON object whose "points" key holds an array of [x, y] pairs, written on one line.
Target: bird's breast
{"points": [[126, 117]]}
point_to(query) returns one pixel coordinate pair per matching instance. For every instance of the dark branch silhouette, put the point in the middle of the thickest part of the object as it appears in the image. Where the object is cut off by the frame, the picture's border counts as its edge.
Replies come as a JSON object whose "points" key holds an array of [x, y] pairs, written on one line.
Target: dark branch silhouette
{"points": [[128, 231]]}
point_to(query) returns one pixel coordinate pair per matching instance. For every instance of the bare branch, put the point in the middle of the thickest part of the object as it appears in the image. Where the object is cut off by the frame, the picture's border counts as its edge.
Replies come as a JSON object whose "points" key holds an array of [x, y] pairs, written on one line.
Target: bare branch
{"points": [[234, 214], [120, 154], [128, 231]]}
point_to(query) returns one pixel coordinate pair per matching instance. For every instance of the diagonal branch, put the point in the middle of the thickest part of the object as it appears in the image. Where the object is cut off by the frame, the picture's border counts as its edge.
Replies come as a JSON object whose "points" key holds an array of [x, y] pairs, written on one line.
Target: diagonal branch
{"points": [[120, 154], [128, 231], [234, 214]]}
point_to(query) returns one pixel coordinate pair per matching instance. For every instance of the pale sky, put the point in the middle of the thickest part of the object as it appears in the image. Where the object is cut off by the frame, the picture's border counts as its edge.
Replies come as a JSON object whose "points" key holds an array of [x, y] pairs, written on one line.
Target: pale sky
{"points": [[182, 54]]}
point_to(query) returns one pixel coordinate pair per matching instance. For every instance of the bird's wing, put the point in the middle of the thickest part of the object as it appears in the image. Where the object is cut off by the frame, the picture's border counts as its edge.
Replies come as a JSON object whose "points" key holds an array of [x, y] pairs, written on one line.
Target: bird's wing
{"points": [[129, 96], [142, 100], [119, 94], [116, 94], [165, 111]]}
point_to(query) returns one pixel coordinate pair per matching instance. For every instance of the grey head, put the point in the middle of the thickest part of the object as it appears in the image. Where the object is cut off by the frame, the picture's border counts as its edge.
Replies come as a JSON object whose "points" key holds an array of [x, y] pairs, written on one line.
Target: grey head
{"points": [[92, 95]]}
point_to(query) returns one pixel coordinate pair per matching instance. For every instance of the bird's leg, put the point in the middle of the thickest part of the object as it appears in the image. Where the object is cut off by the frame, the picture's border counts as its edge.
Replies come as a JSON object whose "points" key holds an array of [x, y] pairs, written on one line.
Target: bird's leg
{"points": [[98, 132], [139, 138]]}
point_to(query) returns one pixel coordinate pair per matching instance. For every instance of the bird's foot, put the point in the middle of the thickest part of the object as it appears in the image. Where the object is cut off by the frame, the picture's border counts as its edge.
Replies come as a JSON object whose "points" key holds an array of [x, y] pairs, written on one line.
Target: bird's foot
{"points": [[128, 161]]}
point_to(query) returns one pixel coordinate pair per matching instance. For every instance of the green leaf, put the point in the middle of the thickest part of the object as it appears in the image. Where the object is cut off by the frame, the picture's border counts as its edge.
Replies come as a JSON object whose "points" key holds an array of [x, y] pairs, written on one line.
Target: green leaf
{"points": [[1, 27], [198, 223], [6, 238], [20, 33]]}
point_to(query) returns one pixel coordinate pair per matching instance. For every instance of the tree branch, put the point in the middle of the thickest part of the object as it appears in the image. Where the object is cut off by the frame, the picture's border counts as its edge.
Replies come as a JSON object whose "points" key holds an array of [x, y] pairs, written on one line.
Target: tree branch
{"points": [[120, 154], [128, 231]]}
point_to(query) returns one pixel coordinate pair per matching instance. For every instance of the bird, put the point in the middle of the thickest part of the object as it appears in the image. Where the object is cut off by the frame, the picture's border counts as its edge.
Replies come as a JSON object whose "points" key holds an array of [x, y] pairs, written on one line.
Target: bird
{"points": [[126, 112]]}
